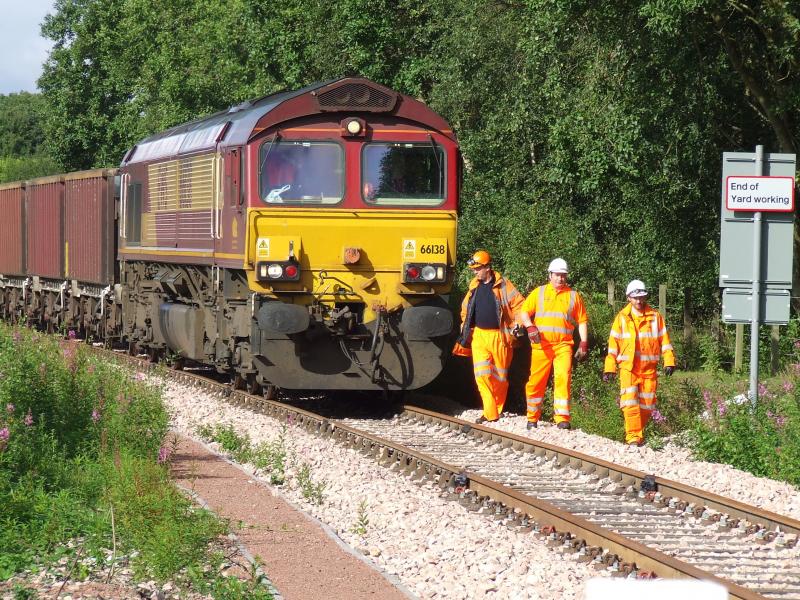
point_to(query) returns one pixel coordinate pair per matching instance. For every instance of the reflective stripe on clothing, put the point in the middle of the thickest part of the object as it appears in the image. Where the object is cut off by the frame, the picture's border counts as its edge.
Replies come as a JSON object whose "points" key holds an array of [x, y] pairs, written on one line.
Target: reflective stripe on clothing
{"points": [[544, 358], [637, 401], [555, 313], [638, 342], [508, 299], [491, 358]]}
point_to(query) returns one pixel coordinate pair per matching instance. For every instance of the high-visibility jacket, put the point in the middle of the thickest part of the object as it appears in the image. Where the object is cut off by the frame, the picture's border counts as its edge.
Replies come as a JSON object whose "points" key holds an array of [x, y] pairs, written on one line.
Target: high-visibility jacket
{"points": [[508, 300], [637, 342], [555, 313]]}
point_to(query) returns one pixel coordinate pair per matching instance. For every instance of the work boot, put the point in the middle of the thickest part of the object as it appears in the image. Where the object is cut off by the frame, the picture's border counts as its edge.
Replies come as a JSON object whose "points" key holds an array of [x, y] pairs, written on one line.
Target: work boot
{"points": [[636, 443], [481, 420], [532, 425], [564, 425]]}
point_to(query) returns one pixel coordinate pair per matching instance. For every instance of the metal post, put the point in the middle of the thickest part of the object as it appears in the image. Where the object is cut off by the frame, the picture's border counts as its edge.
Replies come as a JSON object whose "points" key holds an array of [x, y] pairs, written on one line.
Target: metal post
{"points": [[755, 315]]}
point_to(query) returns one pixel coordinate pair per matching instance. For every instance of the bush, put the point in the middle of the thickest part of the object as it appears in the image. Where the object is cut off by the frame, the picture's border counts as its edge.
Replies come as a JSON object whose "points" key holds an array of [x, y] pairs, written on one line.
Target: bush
{"points": [[763, 439]]}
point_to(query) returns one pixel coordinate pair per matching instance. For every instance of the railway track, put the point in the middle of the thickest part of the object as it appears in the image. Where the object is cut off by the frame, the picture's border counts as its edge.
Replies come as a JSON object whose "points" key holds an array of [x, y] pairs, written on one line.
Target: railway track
{"points": [[617, 519]]}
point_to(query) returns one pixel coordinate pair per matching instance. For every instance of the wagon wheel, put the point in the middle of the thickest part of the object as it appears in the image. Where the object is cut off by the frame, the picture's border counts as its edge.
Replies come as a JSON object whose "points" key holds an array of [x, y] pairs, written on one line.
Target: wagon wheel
{"points": [[153, 355], [252, 386], [271, 391], [238, 382], [133, 349]]}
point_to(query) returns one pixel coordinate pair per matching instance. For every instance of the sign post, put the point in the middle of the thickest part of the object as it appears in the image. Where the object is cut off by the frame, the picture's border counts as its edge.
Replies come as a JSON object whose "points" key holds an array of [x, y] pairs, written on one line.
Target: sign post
{"points": [[757, 205]]}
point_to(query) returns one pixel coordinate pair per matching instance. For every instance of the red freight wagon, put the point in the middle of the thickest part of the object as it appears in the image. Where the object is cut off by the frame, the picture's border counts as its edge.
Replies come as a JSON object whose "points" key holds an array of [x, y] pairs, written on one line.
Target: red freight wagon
{"points": [[12, 229], [89, 233], [44, 227]]}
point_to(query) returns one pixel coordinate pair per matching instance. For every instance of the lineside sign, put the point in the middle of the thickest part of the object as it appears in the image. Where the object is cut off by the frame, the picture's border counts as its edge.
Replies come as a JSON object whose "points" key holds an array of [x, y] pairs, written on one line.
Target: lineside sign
{"points": [[759, 193]]}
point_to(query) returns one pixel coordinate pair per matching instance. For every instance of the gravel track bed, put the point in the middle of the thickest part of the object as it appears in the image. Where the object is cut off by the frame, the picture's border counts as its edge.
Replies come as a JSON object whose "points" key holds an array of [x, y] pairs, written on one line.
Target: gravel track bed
{"points": [[437, 548]]}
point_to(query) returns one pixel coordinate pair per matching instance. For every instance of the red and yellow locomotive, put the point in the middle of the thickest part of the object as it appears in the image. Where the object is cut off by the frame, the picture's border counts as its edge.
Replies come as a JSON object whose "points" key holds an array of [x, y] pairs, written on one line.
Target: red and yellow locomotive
{"points": [[305, 240]]}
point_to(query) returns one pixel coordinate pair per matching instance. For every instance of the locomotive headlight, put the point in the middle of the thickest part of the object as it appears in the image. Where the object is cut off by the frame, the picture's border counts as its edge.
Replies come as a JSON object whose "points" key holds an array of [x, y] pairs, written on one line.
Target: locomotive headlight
{"points": [[428, 273], [274, 271], [440, 273]]}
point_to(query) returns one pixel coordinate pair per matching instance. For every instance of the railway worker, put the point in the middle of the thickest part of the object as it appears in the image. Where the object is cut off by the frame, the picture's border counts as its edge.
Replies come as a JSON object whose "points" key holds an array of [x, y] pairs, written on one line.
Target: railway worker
{"points": [[637, 340], [487, 332], [550, 314]]}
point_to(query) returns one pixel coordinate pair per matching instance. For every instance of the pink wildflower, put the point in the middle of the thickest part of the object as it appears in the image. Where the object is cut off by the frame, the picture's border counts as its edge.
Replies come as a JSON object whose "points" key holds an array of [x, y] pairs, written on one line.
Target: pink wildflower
{"points": [[722, 408], [140, 376], [163, 455], [72, 335], [10, 408], [17, 336], [797, 344], [658, 417], [707, 398], [95, 415], [788, 386], [28, 420], [4, 435]]}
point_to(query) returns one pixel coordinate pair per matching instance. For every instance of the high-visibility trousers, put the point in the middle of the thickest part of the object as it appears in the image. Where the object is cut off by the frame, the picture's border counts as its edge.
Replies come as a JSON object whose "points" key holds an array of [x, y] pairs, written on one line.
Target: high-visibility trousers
{"points": [[637, 399], [491, 358], [545, 357]]}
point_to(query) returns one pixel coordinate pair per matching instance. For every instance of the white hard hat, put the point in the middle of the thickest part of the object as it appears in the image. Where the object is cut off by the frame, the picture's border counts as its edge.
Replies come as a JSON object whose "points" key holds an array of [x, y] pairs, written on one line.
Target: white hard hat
{"points": [[636, 289], [558, 265]]}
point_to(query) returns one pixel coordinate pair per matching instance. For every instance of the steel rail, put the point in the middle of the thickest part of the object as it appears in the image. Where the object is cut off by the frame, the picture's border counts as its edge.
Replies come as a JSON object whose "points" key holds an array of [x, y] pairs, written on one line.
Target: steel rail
{"points": [[625, 476]]}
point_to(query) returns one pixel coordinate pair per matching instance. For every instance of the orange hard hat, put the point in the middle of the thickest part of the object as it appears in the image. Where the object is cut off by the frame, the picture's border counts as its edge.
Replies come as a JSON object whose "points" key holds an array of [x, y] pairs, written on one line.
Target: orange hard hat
{"points": [[480, 259]]}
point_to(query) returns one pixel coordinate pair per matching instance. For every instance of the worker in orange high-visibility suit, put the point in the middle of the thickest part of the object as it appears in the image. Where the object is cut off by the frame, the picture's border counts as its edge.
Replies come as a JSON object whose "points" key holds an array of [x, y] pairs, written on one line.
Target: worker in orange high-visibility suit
{"points": [[637, 340], [487, 332], [550, 314]]}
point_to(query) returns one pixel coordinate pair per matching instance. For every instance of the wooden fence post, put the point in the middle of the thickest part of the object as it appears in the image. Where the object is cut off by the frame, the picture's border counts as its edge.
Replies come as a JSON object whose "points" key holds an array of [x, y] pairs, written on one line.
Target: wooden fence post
{"points": [[774, 349], [687, 315], [611, 293], [739, 348]]}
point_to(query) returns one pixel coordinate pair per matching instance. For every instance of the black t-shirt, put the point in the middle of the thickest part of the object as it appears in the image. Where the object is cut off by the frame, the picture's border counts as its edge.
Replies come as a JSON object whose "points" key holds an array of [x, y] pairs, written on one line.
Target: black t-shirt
{"points": [[486, 306]]}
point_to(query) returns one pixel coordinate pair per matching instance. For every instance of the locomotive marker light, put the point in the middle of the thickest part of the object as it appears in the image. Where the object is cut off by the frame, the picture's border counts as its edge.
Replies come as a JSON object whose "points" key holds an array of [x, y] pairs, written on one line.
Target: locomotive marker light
{"points": [[354, 127]]}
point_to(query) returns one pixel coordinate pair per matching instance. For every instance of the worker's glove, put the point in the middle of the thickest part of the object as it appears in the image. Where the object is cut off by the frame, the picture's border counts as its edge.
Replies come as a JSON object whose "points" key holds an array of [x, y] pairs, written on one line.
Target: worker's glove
{"points": [[519, 332], [533, 334], [609, 377], [583, 351], [668, 371]]}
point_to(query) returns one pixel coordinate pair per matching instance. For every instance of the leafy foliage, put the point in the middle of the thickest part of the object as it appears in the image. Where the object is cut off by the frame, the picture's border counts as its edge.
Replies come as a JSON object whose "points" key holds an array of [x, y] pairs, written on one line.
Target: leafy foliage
{"points": [[590, 131]]}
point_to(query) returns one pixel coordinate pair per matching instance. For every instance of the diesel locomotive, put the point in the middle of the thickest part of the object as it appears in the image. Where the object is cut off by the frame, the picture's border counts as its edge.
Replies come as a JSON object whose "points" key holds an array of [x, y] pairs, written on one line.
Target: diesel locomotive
{"points": [[304, 240]]}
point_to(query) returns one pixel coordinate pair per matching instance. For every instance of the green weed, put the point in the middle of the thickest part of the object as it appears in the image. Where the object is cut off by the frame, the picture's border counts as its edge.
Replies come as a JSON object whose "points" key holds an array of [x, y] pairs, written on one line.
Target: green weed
{"points": [[312, 491], [362, 518]]}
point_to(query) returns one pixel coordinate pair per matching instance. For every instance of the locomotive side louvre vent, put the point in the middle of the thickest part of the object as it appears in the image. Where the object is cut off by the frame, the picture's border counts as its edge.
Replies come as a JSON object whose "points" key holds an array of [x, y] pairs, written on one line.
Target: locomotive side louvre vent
{"points": [[357, 97]]}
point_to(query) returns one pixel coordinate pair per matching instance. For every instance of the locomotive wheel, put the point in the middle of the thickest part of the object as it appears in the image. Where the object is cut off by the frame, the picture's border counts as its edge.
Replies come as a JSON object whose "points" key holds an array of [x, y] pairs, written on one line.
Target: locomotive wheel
{"points": [[270, 392], [153, 355]]}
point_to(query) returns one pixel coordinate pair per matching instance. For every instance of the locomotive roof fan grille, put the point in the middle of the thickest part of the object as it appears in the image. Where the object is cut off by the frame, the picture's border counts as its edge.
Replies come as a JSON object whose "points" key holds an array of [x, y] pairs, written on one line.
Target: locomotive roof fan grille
{"points": [[356, 95]]}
